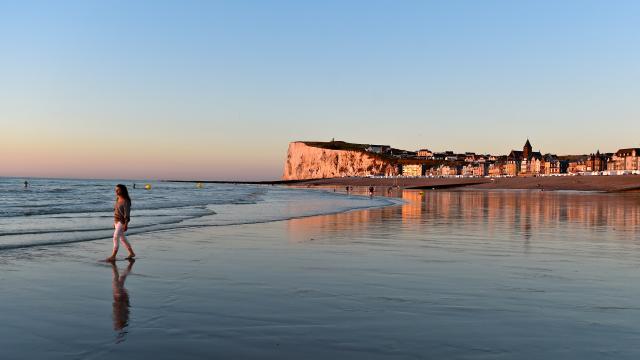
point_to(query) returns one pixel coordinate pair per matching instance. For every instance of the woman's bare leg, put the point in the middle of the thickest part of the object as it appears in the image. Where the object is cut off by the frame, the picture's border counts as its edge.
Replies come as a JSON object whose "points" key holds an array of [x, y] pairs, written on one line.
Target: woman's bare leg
{"points": [[127, 245], [116, 237]]}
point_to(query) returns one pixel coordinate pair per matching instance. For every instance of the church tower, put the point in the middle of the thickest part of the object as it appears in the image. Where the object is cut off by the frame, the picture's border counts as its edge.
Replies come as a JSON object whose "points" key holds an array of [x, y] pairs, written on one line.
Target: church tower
{"points": [[526, 150]]}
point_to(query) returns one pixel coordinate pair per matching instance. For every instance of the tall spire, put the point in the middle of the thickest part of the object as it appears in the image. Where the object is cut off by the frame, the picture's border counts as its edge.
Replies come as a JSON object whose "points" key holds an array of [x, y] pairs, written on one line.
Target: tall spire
{"points": [[527, 149]]}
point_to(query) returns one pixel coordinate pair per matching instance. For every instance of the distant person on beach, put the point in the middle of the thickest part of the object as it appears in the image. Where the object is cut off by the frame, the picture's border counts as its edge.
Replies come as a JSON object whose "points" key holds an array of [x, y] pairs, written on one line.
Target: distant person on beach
{"points": [[371, 189], [121, 215], [134, 185], [26, 183], [347, 189]]}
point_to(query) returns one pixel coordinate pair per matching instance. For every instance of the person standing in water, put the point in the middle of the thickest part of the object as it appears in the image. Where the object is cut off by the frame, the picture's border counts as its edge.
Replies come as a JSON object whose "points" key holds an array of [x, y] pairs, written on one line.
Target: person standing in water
{"points": [[26, 183], [121, 216]]}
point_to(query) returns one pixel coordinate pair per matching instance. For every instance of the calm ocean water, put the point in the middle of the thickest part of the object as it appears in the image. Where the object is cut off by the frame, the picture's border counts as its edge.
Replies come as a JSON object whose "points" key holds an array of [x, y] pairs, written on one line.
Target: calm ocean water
{"points": [[445, 275], [52, 211]]}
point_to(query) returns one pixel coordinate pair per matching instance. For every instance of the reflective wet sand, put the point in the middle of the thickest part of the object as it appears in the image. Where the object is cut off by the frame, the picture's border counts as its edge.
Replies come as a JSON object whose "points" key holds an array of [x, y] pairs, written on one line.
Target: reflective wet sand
{"points": [[460, 274]]}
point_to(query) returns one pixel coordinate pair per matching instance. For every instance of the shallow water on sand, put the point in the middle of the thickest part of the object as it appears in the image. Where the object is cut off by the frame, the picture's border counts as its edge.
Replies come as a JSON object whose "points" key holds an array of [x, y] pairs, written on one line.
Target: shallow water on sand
{"points": [[461, 274], [58, 211]]}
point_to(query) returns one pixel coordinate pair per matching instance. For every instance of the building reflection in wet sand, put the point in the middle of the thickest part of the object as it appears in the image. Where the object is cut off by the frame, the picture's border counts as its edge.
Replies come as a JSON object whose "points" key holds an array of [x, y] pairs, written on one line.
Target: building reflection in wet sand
{"points": [[488, 213], [121, 301]]}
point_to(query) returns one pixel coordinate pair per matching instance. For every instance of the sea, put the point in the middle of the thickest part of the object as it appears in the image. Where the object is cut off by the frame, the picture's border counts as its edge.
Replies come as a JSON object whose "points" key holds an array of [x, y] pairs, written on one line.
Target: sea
{"points": [[61, 211], [442, 274]]}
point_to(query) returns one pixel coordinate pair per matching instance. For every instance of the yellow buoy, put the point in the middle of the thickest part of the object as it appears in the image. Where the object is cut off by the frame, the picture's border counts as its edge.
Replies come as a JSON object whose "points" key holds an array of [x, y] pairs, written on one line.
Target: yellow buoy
{"points": [[147, 186]]}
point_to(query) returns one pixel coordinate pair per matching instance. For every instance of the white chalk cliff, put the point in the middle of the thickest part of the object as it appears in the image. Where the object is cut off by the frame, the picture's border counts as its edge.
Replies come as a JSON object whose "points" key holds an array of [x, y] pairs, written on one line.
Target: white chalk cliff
{"points": [[309, 162]]}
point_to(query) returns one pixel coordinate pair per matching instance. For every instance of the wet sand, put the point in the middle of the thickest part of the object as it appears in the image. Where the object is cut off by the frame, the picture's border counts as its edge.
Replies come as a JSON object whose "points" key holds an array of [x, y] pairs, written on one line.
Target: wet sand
{"points": [[577, 183], [448, 275]]}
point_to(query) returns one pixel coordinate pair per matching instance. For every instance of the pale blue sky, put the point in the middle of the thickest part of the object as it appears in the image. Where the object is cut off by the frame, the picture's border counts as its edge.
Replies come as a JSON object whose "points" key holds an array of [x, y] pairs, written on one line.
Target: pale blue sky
{"points": [[216, 89]]}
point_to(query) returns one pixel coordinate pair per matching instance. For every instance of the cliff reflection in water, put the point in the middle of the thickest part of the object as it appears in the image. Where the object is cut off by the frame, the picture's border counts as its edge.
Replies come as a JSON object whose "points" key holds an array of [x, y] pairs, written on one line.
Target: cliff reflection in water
{"points": [[505, 214]]}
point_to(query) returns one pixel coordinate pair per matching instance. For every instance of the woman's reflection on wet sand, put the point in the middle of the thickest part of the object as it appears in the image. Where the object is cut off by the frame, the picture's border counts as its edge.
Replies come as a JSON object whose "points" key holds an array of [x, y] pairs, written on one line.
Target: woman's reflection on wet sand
{"points": [[120, 301]]}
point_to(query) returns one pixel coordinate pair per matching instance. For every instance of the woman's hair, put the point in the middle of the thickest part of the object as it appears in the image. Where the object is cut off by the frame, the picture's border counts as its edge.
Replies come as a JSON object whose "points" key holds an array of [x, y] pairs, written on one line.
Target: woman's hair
{"points": [[121, 190]]}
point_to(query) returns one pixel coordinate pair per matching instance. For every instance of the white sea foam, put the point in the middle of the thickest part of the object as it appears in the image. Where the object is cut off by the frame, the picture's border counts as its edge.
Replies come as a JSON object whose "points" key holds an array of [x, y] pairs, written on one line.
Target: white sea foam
{"points": [[66, 211]]}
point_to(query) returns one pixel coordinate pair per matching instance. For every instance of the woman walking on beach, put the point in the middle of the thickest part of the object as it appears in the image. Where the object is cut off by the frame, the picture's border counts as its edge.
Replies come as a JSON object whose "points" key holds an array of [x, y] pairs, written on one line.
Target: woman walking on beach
{"points": [[121, 213]]}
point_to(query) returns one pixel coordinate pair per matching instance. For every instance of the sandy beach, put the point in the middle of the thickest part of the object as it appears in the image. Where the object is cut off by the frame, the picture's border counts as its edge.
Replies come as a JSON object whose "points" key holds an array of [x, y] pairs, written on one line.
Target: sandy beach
{"points": [[461, 274], [577, 183]]}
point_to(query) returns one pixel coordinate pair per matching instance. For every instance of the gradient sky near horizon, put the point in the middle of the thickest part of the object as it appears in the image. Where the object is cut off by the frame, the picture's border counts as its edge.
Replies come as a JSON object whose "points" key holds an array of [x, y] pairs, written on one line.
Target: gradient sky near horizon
{"points": [[217, 89]]}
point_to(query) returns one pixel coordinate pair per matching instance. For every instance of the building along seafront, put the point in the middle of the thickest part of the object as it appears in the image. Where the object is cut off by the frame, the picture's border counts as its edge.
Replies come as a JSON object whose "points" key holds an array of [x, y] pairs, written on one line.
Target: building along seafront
{"points": [[525, 162], [625, 160]]}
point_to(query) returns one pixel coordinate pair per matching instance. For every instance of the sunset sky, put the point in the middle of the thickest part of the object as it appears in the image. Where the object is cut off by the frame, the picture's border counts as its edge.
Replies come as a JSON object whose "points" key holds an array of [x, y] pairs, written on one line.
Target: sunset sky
{"points": [[217, 89]]}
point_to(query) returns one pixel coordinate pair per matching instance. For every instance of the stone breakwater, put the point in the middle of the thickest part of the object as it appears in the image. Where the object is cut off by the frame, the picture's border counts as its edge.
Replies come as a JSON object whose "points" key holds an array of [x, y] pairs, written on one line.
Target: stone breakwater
{"points": [[308, 162]]}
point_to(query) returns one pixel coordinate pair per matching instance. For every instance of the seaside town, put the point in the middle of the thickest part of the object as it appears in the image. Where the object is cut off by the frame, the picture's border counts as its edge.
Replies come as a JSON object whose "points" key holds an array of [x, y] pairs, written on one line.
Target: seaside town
{"points": [[525, 162]]}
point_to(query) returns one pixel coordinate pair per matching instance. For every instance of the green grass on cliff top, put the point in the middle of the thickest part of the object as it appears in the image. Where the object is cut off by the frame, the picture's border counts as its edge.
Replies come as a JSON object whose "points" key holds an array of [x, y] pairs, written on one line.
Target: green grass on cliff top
{"points": [[336, 145], [345, 146]]}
